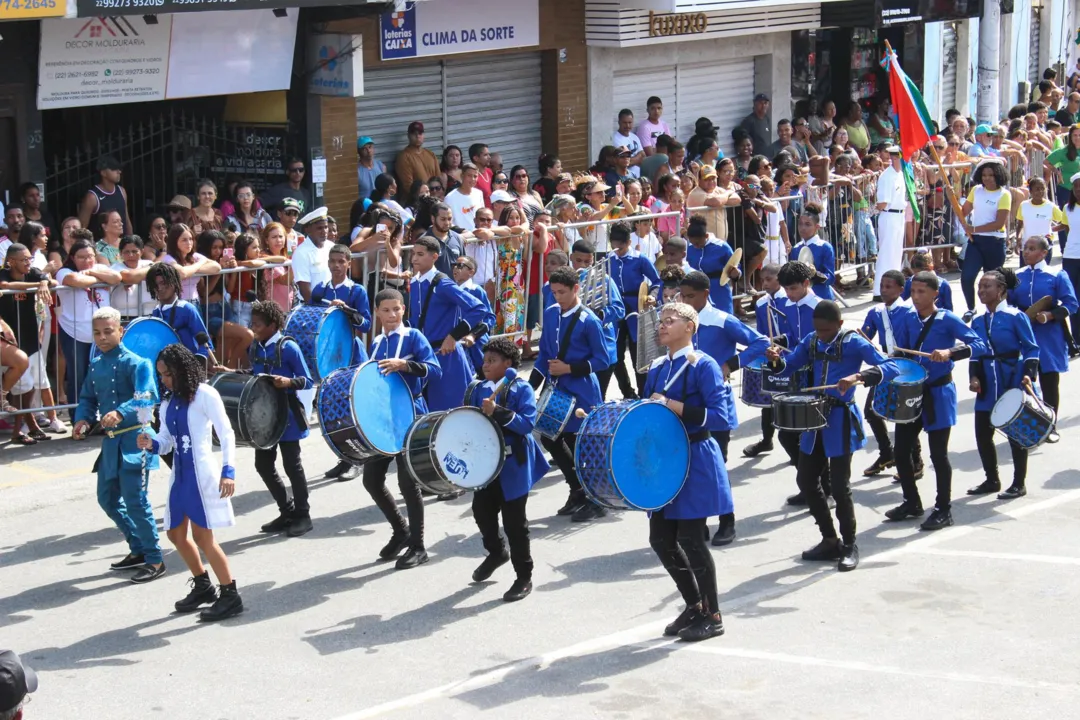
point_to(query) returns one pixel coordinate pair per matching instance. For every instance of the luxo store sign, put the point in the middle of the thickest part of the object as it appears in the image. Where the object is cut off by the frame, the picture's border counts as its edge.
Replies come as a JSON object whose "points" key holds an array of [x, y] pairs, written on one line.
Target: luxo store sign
{"points": [[664, 24]]}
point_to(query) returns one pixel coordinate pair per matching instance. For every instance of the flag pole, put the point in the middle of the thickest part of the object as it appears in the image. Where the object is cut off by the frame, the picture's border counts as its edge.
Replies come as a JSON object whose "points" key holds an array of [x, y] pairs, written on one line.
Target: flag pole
{"points": [[941, 168]]}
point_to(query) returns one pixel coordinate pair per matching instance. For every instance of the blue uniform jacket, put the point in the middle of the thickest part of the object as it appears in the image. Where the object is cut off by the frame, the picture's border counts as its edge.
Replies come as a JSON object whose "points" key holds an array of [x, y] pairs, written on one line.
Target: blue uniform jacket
{"points": [[844, 433], [476, 352], [800, 318], [628, 271], [718, 336], [110, 384], [586, 353], [874, 325], [1011, 353], [944, 298], [355, 296], [451, 311], [410, 343], [516, 413], [1035, 284], [700, 388], [282, 356], [184, 318], [711, 259], [947, 331], [824, 262], [771, 304]]}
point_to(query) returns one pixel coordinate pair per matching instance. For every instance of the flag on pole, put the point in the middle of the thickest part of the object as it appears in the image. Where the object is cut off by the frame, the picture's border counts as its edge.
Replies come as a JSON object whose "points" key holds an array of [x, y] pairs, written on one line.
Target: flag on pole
{"points": [[915, 127]]}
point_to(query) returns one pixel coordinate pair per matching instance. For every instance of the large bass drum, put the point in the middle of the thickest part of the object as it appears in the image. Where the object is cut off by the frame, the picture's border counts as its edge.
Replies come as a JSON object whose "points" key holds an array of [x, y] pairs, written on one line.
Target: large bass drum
{"points": [[257, 411], [325, 337], [459, 449], [364, 413]]}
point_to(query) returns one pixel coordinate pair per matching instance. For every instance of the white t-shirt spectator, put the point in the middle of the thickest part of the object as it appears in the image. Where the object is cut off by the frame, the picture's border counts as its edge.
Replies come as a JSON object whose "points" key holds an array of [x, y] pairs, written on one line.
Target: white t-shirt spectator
{"points": [[189, 288], [1038, 219], [632, 142], [649, 246], [77, 307], [464, 207], [647, 132], [311, 264], [39, 261], [985, 205], [125, 298]]}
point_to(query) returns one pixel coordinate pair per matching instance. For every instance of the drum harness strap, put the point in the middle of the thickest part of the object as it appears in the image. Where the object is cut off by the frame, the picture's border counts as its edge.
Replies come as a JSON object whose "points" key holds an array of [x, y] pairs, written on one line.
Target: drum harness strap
{"points": [[274, 361], [928, 397], [514, 443], [439, 277], [564, 338], [836, 354]]}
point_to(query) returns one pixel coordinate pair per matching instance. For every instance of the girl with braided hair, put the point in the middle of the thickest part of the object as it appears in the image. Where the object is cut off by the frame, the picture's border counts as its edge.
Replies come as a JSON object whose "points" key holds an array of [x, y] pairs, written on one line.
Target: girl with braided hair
{"points": [[165, 284], [200, 486]]}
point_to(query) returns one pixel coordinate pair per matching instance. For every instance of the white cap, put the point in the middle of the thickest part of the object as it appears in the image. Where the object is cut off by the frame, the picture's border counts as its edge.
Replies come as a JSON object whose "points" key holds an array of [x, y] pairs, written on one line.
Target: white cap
{"points": [[502, 196], [1075, 177], [315, 215], [893, 149]]}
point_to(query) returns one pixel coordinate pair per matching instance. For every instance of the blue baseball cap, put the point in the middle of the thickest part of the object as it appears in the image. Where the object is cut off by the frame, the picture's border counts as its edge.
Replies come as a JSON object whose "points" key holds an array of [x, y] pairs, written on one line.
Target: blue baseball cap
{"points": [[984, 129], [364, 140]]}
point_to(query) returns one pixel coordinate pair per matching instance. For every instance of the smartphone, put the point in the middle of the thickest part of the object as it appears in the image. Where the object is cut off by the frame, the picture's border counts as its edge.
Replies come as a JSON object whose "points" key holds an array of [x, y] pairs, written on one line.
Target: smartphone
{"points": [[381, 227], [228, 252]]}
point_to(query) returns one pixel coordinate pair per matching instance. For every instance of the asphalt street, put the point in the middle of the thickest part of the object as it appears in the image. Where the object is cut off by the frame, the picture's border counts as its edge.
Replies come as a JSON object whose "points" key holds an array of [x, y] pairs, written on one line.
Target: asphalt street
{"points": [[976, 621]]}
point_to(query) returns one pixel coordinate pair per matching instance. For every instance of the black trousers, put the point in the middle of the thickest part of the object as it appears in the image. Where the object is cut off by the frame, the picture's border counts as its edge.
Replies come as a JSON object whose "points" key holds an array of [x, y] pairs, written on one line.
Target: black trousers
{"points": [[562, 452], [266, 466], [1050, 383], [486, 506], [723, 439], [808, 477], [878, 427], [604, 378], [788, 440], [375, 484], [681, 547], [984, 441], [907, 444], [622, 343]]}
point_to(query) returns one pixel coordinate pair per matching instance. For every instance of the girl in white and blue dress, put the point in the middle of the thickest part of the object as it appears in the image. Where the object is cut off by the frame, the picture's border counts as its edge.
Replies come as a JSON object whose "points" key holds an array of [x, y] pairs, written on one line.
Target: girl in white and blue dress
{"points": [[200, 486]]}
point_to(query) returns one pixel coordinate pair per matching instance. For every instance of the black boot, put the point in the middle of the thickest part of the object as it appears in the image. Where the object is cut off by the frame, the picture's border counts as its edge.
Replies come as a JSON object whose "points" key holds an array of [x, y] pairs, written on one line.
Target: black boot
{"points": [[725, 534], [490, 564], [519, 590], [338, 470], [985, 488], [280, 524], [798, 500], [573, 503], [588, 511], [228, 605], [300, 524], [849, 557], [202, 593], [883, 463], [398, 542], [761, 446]]}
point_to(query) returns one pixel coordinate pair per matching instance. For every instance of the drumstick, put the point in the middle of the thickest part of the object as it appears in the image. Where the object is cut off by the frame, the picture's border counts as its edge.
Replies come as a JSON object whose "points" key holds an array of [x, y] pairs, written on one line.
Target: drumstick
{"points": [[828, 387], [920, 353], [204, 339], [864, 336]]}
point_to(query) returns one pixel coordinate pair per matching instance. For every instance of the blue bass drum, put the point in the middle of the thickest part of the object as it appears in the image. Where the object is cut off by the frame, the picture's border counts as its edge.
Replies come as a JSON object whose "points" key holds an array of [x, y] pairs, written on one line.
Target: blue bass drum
{"points": [[1023, 418], [900, 399], [325, 338], [146, 337], [632, 454], [365, 414]]}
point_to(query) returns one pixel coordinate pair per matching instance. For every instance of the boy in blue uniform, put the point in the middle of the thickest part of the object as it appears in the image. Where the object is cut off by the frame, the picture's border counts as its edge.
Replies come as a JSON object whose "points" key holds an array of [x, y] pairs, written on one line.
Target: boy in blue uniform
{"points": [[571, 348], [710, 255], [772, 323], [718, 336], [923, 261], [582, 256], [628, 270], [512, 404], [450, 318], [691, 385], [835, 359], [944, 335], [163, 284], [342, 292], [407, 352], [809, 226], [1012, 361], [464, 269], [280, 357], [111, 383]]}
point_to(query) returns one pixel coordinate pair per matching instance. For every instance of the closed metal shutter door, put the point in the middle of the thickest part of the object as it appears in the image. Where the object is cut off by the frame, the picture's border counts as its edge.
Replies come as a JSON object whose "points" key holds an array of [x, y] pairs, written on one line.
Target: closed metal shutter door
{"points": [[1034, 73], [948, 67], [496, 101], [396, 95], [634, 88], [722, 92]]}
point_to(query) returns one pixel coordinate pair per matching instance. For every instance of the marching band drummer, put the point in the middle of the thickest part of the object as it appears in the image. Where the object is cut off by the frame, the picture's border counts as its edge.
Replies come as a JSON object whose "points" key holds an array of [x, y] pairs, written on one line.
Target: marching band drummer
{"points": [[583, 255], [718, 335], [1012, 361], [773, 328], [165, 285], [464, 269], [512, 405], [947, 338], [406, 351], [924, 262], [809, 227], [628, 269], [710, 255], [691, 385], [1035, 280], [835, 358], [571, 347]]}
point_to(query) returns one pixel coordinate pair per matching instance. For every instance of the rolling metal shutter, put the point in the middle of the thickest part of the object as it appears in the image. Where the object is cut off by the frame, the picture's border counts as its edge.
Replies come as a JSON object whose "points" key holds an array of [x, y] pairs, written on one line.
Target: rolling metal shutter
{"points": [[948, 67], [396, 95], [722, 92], [633, 89], [495, 100]]}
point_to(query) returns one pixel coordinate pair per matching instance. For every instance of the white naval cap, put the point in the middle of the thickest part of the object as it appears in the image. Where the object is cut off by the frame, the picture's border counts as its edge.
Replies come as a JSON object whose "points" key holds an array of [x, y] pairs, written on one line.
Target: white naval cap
{"points": [[320, 213]]}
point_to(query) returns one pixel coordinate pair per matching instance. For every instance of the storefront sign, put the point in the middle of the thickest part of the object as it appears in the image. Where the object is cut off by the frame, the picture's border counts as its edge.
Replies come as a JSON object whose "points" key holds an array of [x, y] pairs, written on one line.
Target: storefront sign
{"points": [[90, 8], [338, 67], [24, 9], [426, 29], [664, 24], [899, 11], [259, 156]]}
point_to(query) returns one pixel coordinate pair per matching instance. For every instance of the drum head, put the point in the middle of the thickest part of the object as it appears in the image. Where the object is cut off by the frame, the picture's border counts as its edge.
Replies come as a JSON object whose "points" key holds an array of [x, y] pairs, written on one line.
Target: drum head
{"points": [[334, 342], [382, 407], [911, 372], [469, 447], [1007, 407], [650, 456], [264, 411], [147, 336]]}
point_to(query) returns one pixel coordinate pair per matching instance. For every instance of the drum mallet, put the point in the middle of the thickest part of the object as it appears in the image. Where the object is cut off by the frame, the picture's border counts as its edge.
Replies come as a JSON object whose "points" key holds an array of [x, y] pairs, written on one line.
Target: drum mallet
{"points": [[204, 340]]}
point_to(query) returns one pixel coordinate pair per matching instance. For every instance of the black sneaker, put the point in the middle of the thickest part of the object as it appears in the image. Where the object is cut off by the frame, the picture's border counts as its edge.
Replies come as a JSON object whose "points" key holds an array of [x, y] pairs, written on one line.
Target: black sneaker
{"points": [[938, 519], [705, 627], [761, 446], [903, 511], [131, 562], [798, 500], [338, 470], [880, 465], [588, 511], [452, 495], [414, 557], [849, 557], [573, 503], [826, 550], [725, 534], [351, 474], [228, 605], [985, 488], [686, 618], [490, 564], [148, 573], [280, 524], [1012, 492], [398, 542], [968, 317], [519, 590], [300, 525], [202, 593]]}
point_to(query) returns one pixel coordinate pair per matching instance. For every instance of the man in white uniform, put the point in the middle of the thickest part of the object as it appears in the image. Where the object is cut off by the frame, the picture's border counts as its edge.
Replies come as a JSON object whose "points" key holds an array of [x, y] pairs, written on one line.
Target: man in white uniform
{"points": [[891, 203]]}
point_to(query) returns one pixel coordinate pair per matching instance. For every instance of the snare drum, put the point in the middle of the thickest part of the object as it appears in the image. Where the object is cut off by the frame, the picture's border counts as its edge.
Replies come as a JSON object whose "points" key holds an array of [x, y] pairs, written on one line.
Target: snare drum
{"points": [[774, 383], [1023, 418], [900, 400], [553, 411], [632, 454], [799, 412], [753, 393], [365, 414], [257, 411], [454, 449], [325, 338]]}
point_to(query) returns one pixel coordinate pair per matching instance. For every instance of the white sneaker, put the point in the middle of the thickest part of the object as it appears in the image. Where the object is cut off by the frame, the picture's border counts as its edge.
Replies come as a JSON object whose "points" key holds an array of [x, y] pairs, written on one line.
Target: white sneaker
{"points": [[55, 426]]}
